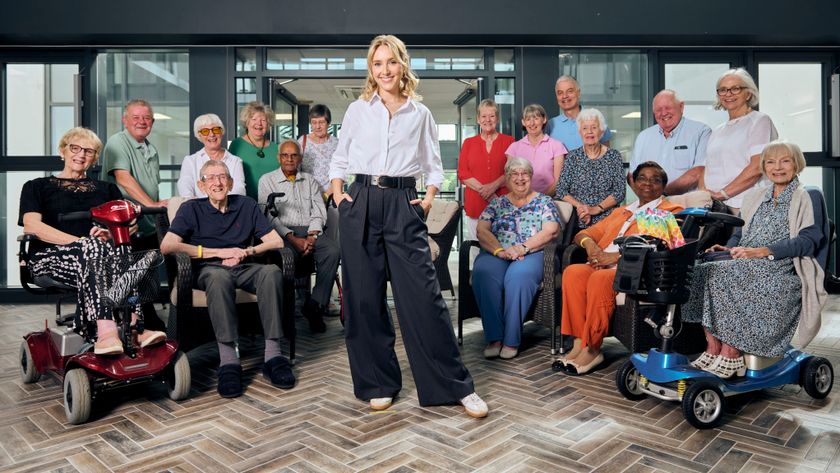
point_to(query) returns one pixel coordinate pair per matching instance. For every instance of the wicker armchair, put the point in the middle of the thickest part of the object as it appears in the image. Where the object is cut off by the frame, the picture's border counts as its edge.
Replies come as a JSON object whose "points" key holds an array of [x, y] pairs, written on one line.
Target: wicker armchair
{"points": [[547, 300], [189, 322], [442, 223]]}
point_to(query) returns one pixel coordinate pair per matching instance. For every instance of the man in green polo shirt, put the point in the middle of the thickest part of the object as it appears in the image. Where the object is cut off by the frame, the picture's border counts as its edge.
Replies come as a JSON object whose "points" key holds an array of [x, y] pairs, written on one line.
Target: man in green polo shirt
{"points": [[130, 161]]}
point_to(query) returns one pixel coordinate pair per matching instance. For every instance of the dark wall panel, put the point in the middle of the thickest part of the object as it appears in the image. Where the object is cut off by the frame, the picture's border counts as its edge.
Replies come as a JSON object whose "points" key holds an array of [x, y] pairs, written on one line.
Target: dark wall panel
{"points": [[209, 88], [538, 22]]}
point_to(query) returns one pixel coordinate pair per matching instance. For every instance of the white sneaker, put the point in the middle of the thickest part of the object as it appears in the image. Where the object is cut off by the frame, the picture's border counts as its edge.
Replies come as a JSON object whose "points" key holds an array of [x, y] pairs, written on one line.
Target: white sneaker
{"points": [[474, 406], [381, 403]]}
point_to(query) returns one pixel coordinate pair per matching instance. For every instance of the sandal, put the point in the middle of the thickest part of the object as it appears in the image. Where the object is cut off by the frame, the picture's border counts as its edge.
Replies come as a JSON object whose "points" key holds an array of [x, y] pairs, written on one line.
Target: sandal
{"points": [[725, 368], [704, 361]]}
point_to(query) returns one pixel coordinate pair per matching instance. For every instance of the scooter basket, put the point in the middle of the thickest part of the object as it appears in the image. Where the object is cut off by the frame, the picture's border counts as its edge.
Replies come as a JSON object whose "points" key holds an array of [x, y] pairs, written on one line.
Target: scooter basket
{"points": [[129, 279], [665, 277]]}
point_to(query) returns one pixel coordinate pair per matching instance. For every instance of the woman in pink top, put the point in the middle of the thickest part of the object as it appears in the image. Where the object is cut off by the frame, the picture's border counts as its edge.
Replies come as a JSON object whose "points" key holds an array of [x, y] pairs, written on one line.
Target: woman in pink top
{"points": [[544, 153]]}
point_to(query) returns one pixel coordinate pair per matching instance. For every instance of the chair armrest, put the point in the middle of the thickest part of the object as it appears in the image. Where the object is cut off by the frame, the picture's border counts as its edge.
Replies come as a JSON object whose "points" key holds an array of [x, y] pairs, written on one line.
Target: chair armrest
{"points": [[25, 239], [284, 258], [181, 278], [573, 254]]}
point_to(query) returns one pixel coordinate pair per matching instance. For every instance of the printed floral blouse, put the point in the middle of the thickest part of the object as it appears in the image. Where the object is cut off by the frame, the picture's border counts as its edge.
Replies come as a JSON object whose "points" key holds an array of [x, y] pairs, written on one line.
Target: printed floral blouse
{"points": [[512, 225]]}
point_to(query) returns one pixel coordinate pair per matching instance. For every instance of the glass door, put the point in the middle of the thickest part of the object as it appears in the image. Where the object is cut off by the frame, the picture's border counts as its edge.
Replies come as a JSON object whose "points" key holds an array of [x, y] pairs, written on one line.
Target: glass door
{"points": [[285, 106], [693, 76], [42, 100]]}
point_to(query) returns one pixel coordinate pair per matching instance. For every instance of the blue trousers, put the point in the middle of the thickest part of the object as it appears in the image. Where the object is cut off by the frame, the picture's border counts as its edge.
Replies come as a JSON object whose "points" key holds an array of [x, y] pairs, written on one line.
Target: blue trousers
{"points": [[505, 291]]}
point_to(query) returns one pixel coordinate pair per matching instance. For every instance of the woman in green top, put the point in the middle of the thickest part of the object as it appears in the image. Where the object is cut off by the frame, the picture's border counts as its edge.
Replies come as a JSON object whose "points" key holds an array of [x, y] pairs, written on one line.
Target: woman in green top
{"points": [[258, 153]]}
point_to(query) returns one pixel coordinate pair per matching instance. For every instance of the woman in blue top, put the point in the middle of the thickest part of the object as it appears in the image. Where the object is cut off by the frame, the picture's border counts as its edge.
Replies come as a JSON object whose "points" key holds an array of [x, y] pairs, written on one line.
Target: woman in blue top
{"points": [[512, 231]]}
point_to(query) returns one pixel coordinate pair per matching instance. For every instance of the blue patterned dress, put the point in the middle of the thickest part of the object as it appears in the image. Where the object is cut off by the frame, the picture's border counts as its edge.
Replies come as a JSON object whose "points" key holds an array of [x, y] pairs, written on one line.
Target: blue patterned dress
{"points": [[751, 304]]}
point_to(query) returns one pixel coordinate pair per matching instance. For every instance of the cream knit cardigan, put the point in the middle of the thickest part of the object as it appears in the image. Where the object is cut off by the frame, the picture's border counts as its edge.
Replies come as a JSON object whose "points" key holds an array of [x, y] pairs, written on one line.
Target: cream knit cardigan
{"points": [[813, 295]]}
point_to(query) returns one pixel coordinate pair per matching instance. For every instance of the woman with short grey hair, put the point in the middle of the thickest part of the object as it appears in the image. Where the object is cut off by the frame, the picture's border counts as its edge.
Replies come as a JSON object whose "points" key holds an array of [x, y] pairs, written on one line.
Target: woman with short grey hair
{"points": [[210, 131], [512, 232], [593, 176]]}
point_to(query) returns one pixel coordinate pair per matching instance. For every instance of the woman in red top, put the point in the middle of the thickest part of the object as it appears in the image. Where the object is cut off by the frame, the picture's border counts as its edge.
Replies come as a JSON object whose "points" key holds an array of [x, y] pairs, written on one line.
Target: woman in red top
{"points": [[481, 165]]}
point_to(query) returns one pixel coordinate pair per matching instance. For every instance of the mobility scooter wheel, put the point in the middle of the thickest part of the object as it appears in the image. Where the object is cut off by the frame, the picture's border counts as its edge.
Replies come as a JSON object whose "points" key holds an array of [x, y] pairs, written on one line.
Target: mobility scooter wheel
{"points": [[28, 373], [817, 377], [627, 382], [77, 397], [703, 405], [178, 377]]}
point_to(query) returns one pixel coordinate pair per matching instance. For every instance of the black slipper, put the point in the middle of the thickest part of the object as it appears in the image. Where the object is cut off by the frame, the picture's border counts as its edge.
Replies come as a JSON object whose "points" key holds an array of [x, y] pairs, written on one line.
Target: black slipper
{"points": [[230, 380], [279, 372]]}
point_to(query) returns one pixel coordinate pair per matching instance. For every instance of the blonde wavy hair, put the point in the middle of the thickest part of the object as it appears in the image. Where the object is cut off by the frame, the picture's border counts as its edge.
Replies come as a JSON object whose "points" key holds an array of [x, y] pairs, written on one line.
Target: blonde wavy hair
{"points": [[408, 81]]}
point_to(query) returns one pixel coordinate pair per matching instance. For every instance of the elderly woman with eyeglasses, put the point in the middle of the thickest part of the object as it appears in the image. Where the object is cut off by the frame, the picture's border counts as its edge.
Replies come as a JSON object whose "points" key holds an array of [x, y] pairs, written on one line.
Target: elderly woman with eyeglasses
{"points": [[65, 251], [512, 231], [257, 151], [734, 147], [210, 131]]}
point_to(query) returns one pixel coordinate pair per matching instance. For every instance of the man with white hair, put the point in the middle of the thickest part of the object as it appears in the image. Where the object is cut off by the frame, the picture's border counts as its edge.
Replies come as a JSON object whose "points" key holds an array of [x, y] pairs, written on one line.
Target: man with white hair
{"points": [[676, 143]]}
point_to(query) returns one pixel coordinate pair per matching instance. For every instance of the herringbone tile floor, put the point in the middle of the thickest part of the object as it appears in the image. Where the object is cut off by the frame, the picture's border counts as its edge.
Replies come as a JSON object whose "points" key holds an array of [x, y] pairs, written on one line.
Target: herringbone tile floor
{"points": [[539, 421]]}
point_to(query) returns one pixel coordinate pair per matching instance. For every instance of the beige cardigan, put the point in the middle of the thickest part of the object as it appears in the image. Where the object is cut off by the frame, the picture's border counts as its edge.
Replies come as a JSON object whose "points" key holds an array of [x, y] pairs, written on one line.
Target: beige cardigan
{"points": [[814, 296]]}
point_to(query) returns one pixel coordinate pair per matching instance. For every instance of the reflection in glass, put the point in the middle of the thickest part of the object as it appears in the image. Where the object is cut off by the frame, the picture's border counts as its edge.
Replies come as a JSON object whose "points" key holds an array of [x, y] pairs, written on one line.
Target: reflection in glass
{"points": [[246, 92], [40, 107], [695, 84], [503, 95], [796, 110], [503, 60], [161, 78], [246, 59], [293, 59], [613, 82]]}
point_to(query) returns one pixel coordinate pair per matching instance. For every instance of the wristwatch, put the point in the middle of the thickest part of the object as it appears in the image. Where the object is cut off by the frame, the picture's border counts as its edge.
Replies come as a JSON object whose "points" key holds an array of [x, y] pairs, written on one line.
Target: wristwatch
{"points": [[771, 257], [527, 250]]}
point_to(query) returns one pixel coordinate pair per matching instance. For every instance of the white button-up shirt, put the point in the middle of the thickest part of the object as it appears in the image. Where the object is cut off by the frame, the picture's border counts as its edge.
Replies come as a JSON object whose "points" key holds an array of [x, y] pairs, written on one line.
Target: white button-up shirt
{"points": [[191, 167], [373, 143]]}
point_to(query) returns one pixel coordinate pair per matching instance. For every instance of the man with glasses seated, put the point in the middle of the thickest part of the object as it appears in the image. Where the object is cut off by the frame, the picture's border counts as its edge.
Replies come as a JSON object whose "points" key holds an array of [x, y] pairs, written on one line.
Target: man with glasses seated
{"points": [[217, 232], [210, 131], [300, 220], [676, 143]]}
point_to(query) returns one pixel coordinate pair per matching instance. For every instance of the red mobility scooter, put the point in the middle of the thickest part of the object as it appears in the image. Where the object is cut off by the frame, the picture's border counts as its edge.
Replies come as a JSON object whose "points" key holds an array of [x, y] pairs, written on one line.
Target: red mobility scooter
{"points": [[124, 283]]}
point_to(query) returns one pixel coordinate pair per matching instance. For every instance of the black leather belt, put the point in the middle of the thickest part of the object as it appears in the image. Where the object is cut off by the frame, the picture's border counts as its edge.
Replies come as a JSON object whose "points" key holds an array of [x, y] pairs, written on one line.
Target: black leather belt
{"points": [[385, 181]]}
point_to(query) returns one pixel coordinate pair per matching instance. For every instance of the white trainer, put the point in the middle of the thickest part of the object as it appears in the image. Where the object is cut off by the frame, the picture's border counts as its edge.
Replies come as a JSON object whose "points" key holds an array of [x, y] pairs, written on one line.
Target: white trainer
{"points": [[381, 403], [475, 406]]}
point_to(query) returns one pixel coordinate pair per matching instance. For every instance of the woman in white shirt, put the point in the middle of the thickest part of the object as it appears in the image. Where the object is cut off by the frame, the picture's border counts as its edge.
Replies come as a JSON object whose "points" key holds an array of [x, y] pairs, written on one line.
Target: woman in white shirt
{"points": [[210, 131], [734, 147], [388, 139]]}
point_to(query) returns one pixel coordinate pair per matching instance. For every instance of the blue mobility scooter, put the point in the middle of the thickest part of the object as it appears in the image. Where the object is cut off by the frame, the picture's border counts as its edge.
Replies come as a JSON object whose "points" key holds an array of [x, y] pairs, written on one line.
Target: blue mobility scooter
{"points": [[650, 273]]}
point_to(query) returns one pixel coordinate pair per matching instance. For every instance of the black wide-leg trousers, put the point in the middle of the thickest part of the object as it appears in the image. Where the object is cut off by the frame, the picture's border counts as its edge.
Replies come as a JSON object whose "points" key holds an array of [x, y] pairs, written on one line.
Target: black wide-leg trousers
{"points": [[380, 229]]}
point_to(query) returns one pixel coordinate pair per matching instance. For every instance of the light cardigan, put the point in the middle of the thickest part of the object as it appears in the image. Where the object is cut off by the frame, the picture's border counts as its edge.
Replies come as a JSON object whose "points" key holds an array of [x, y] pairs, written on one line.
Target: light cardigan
{"points": [[814, 296]]}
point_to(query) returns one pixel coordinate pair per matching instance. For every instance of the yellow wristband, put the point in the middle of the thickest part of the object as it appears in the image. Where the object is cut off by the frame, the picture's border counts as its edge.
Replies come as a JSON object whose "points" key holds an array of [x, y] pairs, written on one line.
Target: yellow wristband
{"points": [[200, 252], [497, 251]]}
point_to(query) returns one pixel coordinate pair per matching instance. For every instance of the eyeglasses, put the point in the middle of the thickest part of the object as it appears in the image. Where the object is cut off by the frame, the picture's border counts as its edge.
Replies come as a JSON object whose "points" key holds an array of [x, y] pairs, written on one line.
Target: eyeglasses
{"points": [[217, 130], [734, 89], [653, 180], [289, 155], [215, 177], [76, 149], [520, 174]]}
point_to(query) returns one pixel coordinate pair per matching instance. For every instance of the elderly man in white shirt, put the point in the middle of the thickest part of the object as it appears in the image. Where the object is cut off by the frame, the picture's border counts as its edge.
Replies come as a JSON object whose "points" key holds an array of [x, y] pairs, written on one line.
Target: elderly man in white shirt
{"points": [[300, 220]]}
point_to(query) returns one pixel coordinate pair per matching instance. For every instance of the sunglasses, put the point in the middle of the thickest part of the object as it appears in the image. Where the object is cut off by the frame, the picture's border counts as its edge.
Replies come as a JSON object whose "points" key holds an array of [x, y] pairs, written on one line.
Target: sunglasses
{"points": [[217, 130]]}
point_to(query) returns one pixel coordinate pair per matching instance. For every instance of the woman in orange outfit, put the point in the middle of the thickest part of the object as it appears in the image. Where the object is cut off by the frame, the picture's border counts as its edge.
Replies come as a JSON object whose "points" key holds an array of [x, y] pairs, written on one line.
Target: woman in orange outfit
{"points": [[588, 296]]}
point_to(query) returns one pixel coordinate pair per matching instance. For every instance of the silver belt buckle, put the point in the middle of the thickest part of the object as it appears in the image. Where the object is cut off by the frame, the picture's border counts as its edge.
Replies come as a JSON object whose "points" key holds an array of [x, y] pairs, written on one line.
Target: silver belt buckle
{"points": [[374, 181]]}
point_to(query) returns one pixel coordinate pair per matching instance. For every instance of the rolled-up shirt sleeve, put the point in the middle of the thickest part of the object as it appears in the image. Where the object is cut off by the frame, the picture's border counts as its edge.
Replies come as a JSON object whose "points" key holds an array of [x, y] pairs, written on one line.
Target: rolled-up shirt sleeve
{"points": [[237, 173], [429, 152], [761, 133], [341, 157]]}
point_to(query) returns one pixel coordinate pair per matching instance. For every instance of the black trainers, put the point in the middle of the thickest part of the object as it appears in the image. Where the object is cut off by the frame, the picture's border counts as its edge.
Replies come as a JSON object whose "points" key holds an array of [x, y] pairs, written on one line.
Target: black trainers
{"points": [[230, 380], [279, 372], [314, 313]]}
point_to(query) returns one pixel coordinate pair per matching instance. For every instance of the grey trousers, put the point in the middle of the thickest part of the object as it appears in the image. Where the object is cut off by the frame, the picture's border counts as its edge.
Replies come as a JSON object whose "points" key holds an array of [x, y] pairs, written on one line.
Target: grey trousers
{"points": [[220, 284], [327, 256], [380, 230]]}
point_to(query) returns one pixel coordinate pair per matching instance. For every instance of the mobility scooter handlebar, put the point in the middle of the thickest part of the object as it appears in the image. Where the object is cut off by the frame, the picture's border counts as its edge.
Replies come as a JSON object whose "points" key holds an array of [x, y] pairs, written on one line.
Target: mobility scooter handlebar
{"points": [[117, 216]]}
